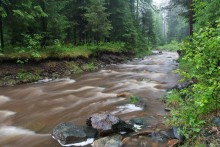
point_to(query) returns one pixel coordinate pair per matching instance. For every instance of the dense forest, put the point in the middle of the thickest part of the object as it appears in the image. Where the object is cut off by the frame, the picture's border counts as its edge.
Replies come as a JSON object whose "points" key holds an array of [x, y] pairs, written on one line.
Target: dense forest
{"points": [[33, 25]]}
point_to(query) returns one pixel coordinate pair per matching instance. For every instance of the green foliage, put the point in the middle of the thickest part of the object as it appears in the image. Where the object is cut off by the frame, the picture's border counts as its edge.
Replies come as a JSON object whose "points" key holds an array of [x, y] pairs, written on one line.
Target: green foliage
{"points": [[97, 19], [142, 52], [37, 25], [32, 42], [173, 46], [174, 99], [199, 63], [202, 58], [134, 99], [27, 77], [212, 12], [22, 61], [73, 67], [89, 67], [60, 51]]}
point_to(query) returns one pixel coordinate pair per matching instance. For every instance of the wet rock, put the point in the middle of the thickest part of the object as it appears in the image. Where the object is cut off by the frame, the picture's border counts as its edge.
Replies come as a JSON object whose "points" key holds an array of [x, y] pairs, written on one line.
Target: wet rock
{"points": [[150, 121], [173, 143], [140, 141], [183, 85], [90, 132], [216, 121], [167, 109], [138, 121], [107, 123], [177, 135], [158, 137], [168, 133], [113, 141], [144, 133], [68, 133]]}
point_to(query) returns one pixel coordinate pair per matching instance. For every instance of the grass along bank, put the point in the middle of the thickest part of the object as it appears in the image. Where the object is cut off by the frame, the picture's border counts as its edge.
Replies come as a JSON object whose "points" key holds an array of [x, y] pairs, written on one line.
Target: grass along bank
{"points": [[23, 65], [172, 46], [58, 51]]}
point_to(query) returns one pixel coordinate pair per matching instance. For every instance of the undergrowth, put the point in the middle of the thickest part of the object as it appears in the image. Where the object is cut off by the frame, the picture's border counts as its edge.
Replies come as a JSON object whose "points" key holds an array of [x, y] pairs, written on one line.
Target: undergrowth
{"points": [[59, 51], [199, 63], [173, 46]]}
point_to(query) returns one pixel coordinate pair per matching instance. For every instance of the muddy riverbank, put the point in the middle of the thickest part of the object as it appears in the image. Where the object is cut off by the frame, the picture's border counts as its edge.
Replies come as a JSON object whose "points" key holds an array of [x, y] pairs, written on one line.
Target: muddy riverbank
{"points": [[13, 73]]}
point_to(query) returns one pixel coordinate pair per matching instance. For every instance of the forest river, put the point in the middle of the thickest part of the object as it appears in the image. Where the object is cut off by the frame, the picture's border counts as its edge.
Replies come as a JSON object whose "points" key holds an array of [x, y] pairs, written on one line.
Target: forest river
{"points": [[29, 112]]}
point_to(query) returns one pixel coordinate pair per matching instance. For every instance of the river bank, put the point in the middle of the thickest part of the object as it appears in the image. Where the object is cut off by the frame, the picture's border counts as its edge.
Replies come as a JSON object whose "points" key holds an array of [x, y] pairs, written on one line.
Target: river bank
{"points": [[13, 73]]}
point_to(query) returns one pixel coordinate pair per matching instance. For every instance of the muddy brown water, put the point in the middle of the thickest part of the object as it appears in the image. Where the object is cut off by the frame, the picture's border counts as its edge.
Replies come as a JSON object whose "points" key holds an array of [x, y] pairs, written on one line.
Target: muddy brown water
{"points": [[29, 112]]}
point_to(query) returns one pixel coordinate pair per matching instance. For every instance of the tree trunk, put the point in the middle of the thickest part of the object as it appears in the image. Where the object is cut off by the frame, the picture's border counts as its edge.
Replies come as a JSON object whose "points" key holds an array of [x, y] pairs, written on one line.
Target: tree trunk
{"points": [[191, 17], [137, 9], [1, 32]]}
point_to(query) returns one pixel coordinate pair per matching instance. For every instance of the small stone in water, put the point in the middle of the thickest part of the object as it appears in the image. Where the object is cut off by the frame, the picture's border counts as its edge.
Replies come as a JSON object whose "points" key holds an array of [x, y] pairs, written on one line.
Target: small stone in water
{"points": [[167, 109]]}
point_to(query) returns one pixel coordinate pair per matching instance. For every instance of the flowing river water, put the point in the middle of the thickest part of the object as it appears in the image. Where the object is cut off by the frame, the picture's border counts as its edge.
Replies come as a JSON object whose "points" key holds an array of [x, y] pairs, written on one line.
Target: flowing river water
{"points": [[29, 112]]}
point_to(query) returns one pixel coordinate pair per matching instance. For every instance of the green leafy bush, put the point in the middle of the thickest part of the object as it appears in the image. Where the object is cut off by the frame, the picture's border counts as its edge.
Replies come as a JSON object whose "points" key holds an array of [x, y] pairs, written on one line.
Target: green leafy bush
{"points": [[27, 77], [199, 63], [134, 99]]}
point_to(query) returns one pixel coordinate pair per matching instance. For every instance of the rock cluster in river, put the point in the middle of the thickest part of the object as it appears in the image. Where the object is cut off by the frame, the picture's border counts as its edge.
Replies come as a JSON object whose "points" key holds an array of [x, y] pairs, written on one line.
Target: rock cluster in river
{"points": [[97, 125], [107, 129]]}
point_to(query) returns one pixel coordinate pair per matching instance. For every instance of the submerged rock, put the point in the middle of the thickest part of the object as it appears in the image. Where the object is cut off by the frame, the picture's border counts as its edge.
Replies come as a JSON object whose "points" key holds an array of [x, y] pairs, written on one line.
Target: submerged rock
{"points": [[107, 123], [138, 121], [113, 141], [68, 133]]}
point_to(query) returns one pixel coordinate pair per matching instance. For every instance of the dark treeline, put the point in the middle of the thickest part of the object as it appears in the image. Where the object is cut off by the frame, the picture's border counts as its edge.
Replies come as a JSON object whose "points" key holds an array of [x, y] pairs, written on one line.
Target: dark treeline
{"points": [[76, 22]]}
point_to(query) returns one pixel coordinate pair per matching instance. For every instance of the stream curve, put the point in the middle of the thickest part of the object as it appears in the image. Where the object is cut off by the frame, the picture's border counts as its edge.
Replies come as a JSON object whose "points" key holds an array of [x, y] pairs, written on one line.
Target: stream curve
{"points": [[29, 112]]}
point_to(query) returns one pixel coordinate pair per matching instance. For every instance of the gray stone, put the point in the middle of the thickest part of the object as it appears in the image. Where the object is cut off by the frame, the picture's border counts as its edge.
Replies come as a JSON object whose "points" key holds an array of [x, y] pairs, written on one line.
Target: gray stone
{"points": [[167, 109], [138, 121], [158, 137], [68, 133], [216, 121], [107, 124], [90, 132], [177, 134], [168, 133], [113, 141]]}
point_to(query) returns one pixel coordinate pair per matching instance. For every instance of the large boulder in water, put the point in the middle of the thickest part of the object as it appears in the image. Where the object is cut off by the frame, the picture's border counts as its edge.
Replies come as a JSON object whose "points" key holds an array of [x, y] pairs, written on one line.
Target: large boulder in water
{"points": [[68, 133], [107, 123]]}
